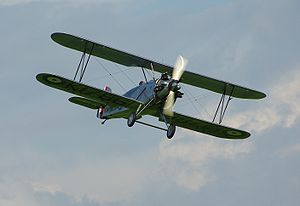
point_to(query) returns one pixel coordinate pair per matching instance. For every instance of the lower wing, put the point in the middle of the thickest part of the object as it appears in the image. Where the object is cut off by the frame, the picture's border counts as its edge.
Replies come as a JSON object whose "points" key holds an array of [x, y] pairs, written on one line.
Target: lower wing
{"points": [[206, 127]]}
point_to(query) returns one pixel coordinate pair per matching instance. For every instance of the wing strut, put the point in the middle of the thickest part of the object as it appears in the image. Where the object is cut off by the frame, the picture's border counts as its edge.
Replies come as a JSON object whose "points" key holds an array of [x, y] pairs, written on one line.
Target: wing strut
{"points": [[82, 64], [144, 74], [152, 68], [222, 110]]}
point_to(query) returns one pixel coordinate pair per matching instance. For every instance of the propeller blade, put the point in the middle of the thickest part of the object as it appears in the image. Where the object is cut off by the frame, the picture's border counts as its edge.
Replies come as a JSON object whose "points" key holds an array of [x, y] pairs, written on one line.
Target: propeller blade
{"points": [[179, 68], [169, 104]]}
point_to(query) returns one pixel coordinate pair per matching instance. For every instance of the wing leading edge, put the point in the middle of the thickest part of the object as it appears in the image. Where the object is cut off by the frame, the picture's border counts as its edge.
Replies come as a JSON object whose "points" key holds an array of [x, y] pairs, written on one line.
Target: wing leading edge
{"points": [[126, 59]]}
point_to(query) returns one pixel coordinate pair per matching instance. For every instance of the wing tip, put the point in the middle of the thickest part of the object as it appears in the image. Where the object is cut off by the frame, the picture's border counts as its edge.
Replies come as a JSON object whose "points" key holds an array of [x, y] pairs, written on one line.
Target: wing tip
{"points": [[263, 95], [55, 35], [59, 37], [254, 95], [236, 134], [260, 95], [39, 77]]}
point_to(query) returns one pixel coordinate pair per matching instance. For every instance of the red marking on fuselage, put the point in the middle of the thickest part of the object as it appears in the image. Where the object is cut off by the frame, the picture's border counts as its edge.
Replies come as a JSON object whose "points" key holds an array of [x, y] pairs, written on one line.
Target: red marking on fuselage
{"points": [[101, 110]]}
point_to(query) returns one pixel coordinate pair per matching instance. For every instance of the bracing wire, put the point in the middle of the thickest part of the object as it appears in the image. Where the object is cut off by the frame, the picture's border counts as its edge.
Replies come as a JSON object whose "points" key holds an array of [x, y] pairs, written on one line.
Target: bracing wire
{"points": [[190, 99], [110, 74], [106, 75], [195, 98], [125, 74]]}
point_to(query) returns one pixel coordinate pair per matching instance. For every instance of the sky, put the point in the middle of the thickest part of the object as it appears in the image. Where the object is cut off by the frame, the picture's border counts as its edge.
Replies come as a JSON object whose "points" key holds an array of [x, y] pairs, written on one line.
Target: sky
{"points": [[54, 153]]}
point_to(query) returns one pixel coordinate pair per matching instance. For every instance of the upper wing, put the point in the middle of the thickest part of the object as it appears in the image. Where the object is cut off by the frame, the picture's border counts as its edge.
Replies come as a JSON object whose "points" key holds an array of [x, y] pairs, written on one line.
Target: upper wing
{"points": [[127, 59], [206, 127], [96, 95]]}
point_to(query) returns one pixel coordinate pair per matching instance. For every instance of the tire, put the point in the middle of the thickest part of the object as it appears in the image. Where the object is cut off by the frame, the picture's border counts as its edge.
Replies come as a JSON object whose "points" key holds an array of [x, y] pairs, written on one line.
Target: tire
{"points": [[171, 131], [131, 119]]}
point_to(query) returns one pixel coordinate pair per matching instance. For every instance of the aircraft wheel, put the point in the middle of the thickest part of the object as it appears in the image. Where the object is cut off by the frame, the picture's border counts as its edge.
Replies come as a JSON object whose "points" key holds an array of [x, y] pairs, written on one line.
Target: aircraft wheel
{"points": [[131, 119], [171, 131]]}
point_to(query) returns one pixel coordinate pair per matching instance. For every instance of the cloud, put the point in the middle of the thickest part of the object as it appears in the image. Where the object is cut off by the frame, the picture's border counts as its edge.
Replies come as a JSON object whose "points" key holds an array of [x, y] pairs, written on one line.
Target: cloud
{"points": [[188, 161], [112, 180], [91, 181], [74, 2], [280, 108], [189, 158], [290, 150], [14, 2], [286, 95], [14, 192], [63, 199], [40, 187]]}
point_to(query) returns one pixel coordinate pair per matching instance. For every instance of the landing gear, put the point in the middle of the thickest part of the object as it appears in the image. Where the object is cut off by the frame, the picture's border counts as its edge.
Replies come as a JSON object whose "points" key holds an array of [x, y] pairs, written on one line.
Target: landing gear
{"points": [[171, 127], [131, 119], [171, 131]]}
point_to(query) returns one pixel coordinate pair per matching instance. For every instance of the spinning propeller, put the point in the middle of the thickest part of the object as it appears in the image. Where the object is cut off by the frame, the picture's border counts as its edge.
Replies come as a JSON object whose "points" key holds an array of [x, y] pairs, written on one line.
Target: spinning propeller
{"points": [[174, 86]]}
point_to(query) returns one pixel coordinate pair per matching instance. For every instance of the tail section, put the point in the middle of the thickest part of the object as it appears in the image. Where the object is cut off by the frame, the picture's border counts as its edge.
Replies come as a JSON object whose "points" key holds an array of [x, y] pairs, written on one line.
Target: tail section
{"points": [[101, 110]]}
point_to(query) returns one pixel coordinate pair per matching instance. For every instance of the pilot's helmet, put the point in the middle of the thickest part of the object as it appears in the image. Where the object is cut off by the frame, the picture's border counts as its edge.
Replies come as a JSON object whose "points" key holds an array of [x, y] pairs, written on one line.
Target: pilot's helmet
{"points": [[165, 76], [141, 82]]}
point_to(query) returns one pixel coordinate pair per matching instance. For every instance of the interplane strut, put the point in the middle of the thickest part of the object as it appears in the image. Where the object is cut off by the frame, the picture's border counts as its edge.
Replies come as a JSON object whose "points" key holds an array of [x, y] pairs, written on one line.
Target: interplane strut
{"points": [[221, 110], [82, 64]]}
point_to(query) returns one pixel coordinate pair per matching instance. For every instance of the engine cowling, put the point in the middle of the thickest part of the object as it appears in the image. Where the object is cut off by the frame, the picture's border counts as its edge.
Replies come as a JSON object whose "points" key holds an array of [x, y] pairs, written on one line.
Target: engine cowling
{"points": [[161, 88]]}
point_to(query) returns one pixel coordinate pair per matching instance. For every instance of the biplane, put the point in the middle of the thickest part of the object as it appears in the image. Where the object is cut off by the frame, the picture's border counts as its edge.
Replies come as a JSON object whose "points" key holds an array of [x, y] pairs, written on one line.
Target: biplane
{"points": [[155, 97]]}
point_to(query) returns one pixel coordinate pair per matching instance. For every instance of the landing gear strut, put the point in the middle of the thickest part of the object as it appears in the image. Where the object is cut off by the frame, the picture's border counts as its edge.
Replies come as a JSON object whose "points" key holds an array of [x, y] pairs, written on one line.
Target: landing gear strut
{"points": [[131, 119], [171, 127]]}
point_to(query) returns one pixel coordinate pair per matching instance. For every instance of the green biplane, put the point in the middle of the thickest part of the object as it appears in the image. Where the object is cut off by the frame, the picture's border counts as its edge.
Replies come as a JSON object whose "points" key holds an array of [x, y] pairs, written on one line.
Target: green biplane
{"points": [[154, 97]]}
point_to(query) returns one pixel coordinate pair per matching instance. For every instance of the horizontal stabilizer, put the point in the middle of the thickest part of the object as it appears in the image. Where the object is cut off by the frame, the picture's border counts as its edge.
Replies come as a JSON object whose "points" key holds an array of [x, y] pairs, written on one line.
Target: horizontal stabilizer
{"points": [[86, 102]]}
